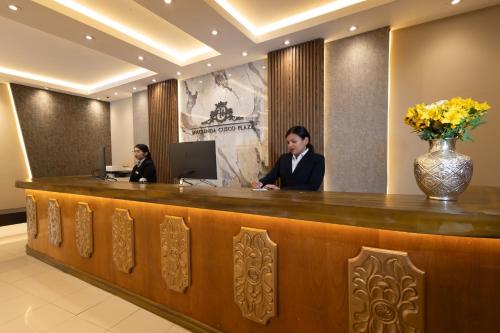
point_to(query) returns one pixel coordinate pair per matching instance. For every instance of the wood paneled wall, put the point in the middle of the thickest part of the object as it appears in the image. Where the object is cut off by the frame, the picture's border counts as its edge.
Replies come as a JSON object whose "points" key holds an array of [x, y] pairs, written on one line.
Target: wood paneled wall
{"points": [[163, 125], [295, 94]]}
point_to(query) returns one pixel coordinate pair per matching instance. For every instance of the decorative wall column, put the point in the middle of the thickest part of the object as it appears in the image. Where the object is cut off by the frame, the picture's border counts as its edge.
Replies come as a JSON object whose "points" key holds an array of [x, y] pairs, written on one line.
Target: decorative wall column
{"points": [[295, 94], [163, 125]]}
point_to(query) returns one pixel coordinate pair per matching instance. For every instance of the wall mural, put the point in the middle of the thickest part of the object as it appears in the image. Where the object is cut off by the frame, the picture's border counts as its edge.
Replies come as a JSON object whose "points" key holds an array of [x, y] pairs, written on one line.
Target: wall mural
{"points": [[230, 107]]}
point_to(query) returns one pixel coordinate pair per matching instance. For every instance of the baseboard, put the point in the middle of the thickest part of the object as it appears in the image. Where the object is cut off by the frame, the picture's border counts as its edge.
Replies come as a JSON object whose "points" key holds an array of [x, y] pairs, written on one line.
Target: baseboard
{"points": [[9, 217], [157, 308]]}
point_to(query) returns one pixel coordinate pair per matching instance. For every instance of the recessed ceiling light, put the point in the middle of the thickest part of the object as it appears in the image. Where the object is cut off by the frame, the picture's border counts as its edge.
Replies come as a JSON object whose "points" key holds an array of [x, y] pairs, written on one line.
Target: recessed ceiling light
{"points": [[455, 2], [89, 37], [116, 93], [200, 81], [99, 98], [168, 2], [214, 32], [352, 28], [154, 80], [14, 8], [179, 73], [141, 58], [134, 88], [263, 67], [229, 74], [244, 53], [287, 42], [209, 65]]}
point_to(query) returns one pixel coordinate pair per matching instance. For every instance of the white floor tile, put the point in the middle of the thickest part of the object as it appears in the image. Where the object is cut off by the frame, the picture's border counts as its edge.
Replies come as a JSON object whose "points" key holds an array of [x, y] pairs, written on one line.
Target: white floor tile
{"points": [[18, 306], [142, 321], [18, 325], [109, 313], [76, 325], [46, 317], [81, 300], [8, 292], [177, 329]]}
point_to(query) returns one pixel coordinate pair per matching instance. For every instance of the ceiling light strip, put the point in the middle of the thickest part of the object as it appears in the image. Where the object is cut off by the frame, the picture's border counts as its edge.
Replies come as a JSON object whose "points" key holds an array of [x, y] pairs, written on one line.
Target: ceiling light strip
{"points": [[301, 17], [84, 89], [131, 32]]}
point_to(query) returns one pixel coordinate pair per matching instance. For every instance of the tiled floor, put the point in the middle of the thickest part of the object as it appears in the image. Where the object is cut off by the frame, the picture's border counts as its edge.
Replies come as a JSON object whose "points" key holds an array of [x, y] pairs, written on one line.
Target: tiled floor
{"points": [[35, 297]]}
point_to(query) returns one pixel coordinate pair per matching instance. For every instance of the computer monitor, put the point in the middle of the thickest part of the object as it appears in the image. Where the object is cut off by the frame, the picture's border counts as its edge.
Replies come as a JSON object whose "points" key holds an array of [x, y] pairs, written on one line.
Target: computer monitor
{"points": [[101, 163], [195, 160]]}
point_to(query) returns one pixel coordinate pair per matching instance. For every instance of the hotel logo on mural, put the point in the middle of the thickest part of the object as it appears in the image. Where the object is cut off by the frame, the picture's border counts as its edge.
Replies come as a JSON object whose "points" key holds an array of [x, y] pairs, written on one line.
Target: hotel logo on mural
{"points": [[222, 120]]}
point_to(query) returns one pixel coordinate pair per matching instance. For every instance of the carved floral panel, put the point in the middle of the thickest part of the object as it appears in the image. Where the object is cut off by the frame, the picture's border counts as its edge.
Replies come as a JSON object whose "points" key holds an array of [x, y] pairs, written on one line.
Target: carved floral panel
{"points": [[122, 239], [84, 238], [255, 275], [175, 253], [54, 222], [386, 293], [31, 216]]}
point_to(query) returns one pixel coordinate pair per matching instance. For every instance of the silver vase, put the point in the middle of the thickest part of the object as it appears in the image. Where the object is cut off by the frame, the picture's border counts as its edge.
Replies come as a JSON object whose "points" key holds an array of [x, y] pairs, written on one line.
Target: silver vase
{"points": [[442, 173]]}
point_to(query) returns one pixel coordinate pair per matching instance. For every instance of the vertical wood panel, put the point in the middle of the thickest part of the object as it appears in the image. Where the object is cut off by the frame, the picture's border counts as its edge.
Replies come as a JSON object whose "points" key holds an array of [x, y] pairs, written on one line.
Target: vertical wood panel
{"points": [[295, 94], [163, 125]]}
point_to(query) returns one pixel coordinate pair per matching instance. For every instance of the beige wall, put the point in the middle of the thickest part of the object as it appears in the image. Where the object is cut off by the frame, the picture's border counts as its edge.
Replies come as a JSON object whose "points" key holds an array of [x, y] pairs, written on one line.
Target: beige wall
{"points": [[13, 164], [456, 56], [122, 132]]}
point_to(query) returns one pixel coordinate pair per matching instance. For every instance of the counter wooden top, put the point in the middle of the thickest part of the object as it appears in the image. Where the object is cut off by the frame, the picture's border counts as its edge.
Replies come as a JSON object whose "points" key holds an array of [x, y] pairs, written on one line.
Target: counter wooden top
{"points": [[475, 214]]}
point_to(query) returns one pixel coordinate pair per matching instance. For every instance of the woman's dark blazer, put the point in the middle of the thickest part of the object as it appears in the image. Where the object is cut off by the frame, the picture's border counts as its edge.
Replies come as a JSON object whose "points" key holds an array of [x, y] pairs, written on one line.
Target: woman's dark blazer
{"points": [[308, 174], [145, 170]]}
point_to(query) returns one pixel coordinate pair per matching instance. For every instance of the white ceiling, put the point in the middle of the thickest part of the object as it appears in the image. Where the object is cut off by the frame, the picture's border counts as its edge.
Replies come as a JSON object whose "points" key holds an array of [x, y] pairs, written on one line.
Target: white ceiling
{"points": [[43, 44]]}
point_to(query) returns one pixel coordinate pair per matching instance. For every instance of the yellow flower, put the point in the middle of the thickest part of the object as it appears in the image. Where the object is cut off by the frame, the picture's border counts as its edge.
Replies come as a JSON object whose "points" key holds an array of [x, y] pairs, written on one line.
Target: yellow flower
{"points": [[453, 116]]}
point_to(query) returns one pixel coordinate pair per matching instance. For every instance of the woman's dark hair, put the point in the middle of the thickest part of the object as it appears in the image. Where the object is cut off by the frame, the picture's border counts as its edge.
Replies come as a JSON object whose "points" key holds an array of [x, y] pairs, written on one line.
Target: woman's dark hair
{"points": [[302, 132], [145, 149]]}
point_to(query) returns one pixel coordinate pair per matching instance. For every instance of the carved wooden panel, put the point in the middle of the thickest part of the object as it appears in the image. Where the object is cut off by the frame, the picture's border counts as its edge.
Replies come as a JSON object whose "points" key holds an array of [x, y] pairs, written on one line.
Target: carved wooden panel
{"points": [[175, 253], [84, 237], [386, 293], [255, 275], [31, 216], [122, 234], [54, 223]]}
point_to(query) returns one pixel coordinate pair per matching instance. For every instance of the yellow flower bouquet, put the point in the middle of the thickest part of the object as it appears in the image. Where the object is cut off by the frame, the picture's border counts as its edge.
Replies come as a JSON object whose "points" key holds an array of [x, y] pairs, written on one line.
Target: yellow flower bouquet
{"points": [[447, 118]]}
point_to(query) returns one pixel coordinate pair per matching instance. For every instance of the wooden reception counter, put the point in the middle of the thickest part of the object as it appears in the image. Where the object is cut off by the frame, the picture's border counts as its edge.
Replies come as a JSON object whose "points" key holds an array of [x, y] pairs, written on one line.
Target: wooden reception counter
{"points": [[234, 260]]}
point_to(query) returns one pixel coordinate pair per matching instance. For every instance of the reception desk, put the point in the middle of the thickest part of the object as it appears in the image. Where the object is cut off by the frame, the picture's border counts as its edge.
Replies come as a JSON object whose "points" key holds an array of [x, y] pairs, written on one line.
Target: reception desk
{"points": [[234, 260]]}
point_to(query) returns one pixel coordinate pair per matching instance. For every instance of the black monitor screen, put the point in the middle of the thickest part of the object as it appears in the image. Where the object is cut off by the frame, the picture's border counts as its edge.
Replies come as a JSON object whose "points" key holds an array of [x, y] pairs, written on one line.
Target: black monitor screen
{"points": [[194, 160]]}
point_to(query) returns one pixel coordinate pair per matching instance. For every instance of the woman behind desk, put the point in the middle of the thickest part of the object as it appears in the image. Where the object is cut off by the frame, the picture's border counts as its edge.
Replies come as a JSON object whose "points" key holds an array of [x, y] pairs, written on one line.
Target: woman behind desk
{"points": [[144, 171], [300, 169]]}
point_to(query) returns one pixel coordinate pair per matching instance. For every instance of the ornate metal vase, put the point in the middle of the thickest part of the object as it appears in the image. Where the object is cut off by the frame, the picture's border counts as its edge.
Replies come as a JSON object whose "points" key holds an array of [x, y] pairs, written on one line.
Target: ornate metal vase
{"points": [[442, 173]]}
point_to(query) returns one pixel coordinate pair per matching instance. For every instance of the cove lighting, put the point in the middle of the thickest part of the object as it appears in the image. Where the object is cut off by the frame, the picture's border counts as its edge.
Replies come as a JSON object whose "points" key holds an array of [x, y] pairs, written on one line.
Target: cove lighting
{"points": [[301, 17], [124, 29], [81, 88]]}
